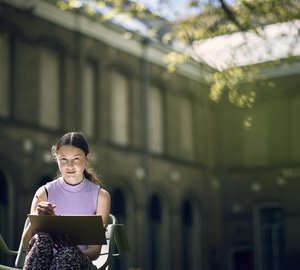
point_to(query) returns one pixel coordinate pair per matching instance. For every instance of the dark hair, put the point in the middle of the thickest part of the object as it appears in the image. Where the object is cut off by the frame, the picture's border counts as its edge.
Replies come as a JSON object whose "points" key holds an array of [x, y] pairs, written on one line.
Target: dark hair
{"points": [[77, 140]]}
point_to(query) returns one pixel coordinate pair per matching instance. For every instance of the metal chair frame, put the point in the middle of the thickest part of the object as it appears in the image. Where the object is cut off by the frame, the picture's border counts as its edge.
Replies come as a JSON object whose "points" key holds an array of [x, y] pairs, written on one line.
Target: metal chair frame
{"points": [[117, 246]]}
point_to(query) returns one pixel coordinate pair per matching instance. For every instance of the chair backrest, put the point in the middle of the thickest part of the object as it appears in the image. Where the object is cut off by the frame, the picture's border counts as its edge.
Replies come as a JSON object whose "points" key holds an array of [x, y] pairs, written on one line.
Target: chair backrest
{"points": [[4, 248], [19, 262], [121, 240], [106, 255]]}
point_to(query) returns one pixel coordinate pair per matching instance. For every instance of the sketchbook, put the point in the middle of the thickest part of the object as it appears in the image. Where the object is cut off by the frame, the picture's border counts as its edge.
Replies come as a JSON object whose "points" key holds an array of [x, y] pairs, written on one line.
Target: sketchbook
{"points": [[82, 229]]}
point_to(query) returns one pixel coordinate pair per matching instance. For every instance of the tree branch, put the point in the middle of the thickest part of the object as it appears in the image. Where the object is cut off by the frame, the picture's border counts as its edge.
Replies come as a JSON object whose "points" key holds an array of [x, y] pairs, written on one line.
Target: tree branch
{"points": [[231, 15]]}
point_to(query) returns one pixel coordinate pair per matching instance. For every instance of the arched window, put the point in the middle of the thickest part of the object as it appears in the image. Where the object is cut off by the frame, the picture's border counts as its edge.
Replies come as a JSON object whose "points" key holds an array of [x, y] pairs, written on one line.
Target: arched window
{"points": [[155, 233], [187, 234], [191, 240], [269, 237], [118, 205], [118, 209]]}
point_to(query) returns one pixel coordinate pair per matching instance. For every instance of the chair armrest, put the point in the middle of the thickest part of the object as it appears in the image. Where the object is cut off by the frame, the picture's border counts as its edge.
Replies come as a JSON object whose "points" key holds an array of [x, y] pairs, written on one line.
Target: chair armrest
{"points": [[5, 249], [4, 267]]}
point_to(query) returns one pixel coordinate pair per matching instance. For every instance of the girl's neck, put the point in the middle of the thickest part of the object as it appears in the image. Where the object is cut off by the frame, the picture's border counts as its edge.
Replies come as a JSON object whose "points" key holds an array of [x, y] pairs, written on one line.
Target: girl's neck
{"points": [[73, 184]]}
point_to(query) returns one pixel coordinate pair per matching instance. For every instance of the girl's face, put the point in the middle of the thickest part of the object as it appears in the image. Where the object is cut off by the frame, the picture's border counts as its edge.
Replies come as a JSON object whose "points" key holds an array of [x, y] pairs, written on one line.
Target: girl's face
{"points": [[71, 163]]}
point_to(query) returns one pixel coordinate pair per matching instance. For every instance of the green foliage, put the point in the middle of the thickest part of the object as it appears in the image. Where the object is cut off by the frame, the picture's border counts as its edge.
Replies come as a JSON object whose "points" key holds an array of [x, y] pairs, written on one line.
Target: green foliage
{"points": [[209, 19], [243, 15], [238, 82]]}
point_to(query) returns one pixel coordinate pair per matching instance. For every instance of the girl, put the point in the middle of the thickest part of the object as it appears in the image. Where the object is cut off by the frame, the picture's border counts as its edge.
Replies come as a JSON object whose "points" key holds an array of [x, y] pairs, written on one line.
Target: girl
{"points": [[77, 190]]}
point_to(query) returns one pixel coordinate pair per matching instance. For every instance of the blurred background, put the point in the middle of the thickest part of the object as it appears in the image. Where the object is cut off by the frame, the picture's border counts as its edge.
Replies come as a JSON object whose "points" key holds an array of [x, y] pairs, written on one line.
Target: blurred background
{"points": [[200, 182]]}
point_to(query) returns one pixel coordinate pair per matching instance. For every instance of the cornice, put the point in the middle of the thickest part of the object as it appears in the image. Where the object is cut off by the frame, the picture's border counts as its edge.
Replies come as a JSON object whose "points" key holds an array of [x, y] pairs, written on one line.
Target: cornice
{"points": [[154, 52]]}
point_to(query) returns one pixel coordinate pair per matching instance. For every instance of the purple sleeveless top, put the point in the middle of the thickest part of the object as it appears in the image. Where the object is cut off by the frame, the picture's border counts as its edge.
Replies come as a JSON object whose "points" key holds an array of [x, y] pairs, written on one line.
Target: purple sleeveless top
{"points": [[80, 199]]}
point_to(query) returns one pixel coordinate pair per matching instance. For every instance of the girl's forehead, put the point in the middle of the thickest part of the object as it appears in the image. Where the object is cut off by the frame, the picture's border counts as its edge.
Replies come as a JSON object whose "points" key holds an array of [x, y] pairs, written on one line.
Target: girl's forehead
{"points": [[70, 150]]}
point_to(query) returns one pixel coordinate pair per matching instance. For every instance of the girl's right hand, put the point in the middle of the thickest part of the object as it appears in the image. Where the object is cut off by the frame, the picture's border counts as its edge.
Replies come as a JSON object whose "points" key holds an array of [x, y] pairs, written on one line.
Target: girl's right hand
{"points": [[45, 208]]}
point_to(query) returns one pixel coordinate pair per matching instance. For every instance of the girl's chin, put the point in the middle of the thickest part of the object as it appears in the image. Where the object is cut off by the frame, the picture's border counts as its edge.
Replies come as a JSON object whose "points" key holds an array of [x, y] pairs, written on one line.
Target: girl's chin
{"points": [[71, 178]]}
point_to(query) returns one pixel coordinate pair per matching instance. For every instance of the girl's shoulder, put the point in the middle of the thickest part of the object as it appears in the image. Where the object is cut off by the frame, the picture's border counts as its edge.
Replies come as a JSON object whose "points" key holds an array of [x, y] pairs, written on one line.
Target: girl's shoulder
{"points": [[53, 186], [51, 183], [103, 194]]}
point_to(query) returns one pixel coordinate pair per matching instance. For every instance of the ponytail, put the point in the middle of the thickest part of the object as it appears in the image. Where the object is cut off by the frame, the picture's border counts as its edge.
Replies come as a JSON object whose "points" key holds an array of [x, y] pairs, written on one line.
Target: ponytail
{"points": [[90, 174]]}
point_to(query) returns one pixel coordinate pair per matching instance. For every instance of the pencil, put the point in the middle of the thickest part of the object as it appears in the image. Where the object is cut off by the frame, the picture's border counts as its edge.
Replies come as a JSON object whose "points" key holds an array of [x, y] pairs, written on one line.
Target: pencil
{"points": [[39, 199]]}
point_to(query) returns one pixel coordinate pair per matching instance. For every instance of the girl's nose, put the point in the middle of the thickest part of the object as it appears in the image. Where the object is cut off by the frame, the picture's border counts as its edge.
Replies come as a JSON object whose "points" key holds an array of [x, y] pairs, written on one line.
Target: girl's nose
{"points": [[70, 163]]}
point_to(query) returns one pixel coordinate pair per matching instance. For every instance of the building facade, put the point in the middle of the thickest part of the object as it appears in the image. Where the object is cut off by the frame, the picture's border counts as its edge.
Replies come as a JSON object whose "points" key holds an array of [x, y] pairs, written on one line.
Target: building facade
{"points": [[195, 186]]}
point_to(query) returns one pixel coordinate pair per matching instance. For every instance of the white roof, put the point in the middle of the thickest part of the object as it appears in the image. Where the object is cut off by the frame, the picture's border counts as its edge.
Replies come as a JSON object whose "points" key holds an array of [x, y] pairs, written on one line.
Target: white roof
{"points": [[276, 41]]}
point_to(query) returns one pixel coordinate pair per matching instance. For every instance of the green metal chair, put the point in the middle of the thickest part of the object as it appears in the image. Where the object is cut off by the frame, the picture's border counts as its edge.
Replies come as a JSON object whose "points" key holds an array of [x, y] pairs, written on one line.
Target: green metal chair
{"points": [[117, 246]]}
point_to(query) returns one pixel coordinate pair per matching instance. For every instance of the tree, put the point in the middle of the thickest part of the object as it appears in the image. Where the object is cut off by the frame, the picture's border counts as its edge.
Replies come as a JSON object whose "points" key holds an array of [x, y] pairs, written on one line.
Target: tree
{"points": [[207, 19]]}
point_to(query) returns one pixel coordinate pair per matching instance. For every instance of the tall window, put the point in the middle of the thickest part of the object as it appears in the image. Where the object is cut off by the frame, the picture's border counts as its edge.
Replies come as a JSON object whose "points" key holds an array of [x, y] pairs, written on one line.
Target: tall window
{"points": [[187, 235], [156, 121], [4, 75], [269, 238], [186, 129], [119, 205], [155, 233], [158, 234], [256, 139], [240, 258], [49, 88], [119, 109], [88, 99], [295, 129], [119, 210], [191, 236]]}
